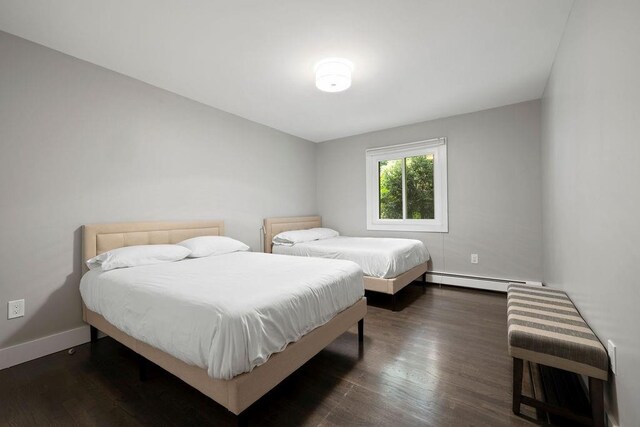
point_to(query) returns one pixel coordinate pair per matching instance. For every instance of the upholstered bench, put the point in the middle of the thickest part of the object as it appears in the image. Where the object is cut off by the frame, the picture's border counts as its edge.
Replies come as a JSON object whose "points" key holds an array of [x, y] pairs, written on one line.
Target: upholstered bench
{"points": [[546, 328]]}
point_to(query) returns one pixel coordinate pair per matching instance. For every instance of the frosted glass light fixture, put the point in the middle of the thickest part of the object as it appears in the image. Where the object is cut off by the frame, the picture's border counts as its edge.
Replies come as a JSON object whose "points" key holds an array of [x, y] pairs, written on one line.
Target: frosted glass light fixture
{"points": [[333, 74]]}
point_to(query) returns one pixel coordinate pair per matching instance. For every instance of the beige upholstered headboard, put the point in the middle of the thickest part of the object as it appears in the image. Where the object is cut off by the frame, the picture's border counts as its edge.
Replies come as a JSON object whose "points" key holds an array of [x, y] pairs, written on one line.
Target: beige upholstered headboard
{"points": [[99, 238], [273, 226]]}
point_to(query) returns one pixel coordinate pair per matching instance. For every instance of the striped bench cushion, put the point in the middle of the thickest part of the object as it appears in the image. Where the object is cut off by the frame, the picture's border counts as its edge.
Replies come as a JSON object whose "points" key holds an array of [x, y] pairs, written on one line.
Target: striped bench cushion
{"points": [[546, 328]]}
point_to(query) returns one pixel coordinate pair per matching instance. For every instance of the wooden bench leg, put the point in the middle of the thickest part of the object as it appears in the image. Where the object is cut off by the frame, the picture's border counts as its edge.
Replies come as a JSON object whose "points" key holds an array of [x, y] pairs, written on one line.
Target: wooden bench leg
{"points": [[596, 395], [517, 384]]}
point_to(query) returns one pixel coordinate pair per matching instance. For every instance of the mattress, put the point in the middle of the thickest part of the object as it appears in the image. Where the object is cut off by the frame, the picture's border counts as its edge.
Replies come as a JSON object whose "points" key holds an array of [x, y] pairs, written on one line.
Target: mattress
{"points": [[378, 257], [226, 314]]}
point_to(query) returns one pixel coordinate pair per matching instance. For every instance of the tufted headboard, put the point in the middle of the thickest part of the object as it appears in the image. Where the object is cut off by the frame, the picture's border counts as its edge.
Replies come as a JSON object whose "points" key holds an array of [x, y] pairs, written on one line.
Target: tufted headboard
{"points": [[99, 238], [273, 226]]}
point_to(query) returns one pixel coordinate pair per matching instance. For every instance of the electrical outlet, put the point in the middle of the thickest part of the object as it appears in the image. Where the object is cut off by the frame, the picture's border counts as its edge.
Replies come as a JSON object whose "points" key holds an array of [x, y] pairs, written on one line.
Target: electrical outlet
{"points": [[15, 309], [474, 258], [611, 349]]}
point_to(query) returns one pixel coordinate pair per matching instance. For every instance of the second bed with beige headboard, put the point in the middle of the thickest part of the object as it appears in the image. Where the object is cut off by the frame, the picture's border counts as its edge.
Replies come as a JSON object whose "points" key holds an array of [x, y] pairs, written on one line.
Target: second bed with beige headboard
{"points": [[273, 226]]}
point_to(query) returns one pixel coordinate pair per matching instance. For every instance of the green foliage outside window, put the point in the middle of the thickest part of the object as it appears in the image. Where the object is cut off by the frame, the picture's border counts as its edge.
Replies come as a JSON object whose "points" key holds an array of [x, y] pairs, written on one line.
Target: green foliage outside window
{"points": [[418, 186], [390, 175]]}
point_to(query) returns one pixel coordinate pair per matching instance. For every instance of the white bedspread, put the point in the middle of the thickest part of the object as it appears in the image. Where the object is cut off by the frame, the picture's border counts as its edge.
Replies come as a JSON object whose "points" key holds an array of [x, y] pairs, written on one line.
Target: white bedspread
{"points": [[378, 257], [226, 313]]}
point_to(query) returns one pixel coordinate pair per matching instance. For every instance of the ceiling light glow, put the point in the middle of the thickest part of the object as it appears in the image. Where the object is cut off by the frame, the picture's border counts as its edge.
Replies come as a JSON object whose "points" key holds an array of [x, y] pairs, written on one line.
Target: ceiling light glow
{"points": [[333, 74]]}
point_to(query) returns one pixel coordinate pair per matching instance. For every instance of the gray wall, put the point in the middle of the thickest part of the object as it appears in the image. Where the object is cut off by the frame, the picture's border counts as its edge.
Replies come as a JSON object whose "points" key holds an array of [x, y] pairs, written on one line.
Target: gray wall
{"points": [[493, 181], [591, 172], [81, 144]]}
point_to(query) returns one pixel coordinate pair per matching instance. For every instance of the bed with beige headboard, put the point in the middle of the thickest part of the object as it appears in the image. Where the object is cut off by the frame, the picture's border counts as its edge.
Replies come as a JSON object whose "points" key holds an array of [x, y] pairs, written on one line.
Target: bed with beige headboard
{"points": [[240, 392], [273, 226]]}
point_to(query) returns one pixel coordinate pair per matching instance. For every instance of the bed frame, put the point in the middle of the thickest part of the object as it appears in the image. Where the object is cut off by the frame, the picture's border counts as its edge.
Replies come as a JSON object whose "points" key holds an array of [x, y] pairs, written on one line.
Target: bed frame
{"points": [[273, 226], [238, 393]]}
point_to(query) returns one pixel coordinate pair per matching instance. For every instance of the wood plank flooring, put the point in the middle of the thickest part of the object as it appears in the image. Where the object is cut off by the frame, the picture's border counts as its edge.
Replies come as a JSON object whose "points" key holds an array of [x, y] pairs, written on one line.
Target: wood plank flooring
{"points": [[440, 361]]}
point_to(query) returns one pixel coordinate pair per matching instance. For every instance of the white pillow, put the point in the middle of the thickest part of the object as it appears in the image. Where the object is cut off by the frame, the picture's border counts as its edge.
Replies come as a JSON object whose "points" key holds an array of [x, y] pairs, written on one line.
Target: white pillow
{"points": [[212, 245], [132, 256], [325, 233], [299, 236]]}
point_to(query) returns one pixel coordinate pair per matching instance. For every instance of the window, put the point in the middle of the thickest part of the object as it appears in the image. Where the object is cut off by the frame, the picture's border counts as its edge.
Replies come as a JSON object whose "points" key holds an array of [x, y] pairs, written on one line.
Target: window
{"points": [[407, 187]]}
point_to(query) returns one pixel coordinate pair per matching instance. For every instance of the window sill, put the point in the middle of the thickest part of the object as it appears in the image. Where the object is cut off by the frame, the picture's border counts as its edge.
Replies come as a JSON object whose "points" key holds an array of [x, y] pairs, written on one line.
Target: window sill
{"points": [[423, 228]]}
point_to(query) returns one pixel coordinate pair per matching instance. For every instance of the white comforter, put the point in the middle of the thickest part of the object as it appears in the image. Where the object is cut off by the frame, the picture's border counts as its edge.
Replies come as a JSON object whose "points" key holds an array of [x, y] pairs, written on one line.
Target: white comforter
{"points": [[226, 313], [378, 257]]}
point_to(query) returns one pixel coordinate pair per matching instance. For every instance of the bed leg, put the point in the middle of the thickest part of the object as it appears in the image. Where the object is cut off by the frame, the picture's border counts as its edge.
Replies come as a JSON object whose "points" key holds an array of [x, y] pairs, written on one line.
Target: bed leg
{"points": [[394, 302], [242, 420], [361, 338], [143, 368], [94, 333]]}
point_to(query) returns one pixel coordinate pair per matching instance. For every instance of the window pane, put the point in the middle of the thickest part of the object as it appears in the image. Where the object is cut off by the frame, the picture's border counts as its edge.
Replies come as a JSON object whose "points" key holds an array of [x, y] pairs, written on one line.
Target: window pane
{"points": [[419, 176], [390, 187]]}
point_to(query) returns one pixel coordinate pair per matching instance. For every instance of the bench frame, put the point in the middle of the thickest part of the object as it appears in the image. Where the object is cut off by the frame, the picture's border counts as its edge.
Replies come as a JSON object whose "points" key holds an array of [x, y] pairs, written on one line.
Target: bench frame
{"points": [[596, 396], [533, 329]]}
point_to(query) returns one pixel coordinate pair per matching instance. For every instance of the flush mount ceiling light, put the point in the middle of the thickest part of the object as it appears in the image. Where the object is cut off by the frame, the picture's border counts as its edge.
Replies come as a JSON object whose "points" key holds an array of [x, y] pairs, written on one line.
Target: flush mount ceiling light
{"points": [[333, 74]]}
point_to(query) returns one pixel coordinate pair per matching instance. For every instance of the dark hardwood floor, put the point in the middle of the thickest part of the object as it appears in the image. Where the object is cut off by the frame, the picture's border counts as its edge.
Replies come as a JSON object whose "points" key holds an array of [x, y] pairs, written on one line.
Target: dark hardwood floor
{"points": [[440, 361]]}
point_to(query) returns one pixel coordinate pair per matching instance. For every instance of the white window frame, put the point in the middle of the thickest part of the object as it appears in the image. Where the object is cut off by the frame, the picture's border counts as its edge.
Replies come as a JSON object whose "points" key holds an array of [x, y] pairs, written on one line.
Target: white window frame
{"points": [[440, 223]]}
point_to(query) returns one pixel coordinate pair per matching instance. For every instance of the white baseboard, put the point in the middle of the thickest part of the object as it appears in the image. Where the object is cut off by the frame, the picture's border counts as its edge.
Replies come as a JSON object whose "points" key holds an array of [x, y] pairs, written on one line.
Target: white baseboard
{"points": [[486, 283], [30, 350]]}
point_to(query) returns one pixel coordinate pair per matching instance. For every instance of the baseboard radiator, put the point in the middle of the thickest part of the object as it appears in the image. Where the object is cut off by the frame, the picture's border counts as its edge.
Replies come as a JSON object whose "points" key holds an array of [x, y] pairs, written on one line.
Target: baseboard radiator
{"points": [[476, 282]]}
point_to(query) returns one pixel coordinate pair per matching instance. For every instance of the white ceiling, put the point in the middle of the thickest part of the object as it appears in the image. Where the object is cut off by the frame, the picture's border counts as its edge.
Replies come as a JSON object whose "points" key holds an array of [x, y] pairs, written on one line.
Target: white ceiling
{"points": [[414, 60]]}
